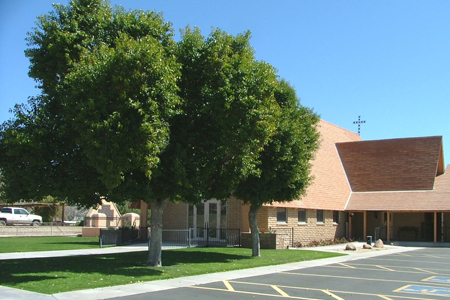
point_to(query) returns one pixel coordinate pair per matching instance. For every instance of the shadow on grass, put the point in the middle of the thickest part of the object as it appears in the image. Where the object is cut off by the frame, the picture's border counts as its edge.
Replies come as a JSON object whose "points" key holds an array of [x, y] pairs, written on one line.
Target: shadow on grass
{"points": [[18, 279], [128, 265], [26, 270], [193, 256]]}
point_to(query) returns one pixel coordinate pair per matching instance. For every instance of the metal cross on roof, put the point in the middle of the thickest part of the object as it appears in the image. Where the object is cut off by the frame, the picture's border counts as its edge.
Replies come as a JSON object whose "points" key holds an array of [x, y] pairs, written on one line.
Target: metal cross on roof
{"points": [[359, 122]]}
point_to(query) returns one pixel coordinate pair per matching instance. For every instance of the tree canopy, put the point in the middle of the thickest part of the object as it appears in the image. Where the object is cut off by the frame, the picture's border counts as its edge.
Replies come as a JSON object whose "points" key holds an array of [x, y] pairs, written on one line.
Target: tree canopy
{"points": [[108, 82], [285, 162], [226, 117], [127, 113], [229, 109]]}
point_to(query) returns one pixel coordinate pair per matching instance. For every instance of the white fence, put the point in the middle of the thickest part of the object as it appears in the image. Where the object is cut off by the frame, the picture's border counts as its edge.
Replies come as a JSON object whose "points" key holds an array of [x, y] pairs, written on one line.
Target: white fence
{"points": [[200, 237]]}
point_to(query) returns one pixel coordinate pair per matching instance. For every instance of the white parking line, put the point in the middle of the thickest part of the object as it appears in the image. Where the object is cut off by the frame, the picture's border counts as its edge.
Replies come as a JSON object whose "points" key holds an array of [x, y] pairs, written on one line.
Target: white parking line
{"points": [[332, 295], [282, 293]]}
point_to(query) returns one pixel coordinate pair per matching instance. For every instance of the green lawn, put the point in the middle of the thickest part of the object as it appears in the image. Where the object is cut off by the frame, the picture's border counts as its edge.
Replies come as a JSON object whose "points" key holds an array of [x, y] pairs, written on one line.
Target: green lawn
{"points": [[54, 275], [29, 244]]}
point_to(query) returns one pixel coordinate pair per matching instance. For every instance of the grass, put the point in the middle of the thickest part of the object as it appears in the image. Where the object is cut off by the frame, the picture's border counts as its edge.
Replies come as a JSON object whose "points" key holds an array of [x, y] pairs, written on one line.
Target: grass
{"points": [[29, 244], [55, 275]]}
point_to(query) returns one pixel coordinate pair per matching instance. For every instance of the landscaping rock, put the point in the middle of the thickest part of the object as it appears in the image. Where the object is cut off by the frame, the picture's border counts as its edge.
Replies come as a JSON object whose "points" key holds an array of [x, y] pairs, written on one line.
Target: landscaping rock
{"points": [[350, 247], [379, 244], [367, 246]]}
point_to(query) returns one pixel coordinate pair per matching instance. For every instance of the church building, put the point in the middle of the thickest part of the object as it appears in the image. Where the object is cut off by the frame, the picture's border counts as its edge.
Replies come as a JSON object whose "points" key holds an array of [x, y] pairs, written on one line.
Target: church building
{"points": [[395, 189]]}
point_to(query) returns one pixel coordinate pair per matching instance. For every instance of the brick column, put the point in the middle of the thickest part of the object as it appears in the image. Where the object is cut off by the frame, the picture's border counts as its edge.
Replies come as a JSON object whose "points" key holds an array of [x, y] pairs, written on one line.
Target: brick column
{"points": [[143, 220]]}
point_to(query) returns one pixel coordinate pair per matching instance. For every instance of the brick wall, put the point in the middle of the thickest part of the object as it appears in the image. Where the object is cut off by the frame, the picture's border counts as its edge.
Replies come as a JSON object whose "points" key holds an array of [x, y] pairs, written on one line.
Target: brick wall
{"points": [[175, 216], [305, 233], [314, 231], [234, 214], [264, 218], [266, 240]]}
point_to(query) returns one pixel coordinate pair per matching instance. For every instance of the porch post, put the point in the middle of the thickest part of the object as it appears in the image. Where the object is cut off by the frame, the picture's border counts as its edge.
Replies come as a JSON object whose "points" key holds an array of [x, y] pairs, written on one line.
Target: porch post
{"points": [[435, 227], [365, 225], [388, 238], [350, 225], [143, 229]]}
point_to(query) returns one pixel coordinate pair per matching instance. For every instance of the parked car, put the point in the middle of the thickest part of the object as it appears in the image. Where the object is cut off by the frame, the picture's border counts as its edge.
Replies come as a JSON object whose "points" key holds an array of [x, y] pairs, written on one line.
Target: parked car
{"points": [[16, 215]]}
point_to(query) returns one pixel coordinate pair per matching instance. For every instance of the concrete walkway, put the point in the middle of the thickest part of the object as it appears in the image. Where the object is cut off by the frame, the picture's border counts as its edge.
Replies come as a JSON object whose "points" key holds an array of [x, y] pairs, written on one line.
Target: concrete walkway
{"points": [[7, 293], [44, 254]]}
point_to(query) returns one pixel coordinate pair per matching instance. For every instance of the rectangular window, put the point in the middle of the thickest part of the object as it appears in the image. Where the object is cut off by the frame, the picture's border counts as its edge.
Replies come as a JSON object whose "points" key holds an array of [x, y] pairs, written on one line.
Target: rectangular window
{"points": [[336, 217], [281, 215], [319, 216], [302, 215]]}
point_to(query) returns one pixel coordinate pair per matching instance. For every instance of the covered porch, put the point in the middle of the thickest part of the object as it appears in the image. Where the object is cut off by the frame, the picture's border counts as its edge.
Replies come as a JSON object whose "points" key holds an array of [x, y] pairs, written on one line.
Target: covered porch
{"points": [[410, 226]]}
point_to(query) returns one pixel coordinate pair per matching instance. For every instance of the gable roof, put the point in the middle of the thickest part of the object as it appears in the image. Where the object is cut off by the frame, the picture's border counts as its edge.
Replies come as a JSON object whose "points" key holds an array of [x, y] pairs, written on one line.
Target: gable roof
{"points": [[329, 189], [406, 164], [405, 174], [437, 199]]}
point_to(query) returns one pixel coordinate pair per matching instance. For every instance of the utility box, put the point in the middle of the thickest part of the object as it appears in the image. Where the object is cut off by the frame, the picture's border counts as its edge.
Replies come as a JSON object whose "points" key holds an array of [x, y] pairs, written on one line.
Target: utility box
{"points": [[369, 240]]}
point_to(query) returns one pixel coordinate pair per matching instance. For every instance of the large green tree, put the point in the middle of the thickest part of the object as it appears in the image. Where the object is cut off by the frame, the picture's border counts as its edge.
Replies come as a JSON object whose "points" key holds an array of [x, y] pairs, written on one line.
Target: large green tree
{"points": [[285, 162], [226, 117], [229, 109], [126, 113], [108, 81]]}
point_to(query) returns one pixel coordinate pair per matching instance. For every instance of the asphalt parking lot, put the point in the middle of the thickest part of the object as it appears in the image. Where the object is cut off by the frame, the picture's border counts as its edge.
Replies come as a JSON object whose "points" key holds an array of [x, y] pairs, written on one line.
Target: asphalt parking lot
{"points": [[419, 274]]}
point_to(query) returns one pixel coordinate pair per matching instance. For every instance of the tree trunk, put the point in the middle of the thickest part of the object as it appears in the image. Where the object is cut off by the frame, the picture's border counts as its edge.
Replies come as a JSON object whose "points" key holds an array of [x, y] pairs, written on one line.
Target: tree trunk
{"points": [[253, 222], [154, 253]]}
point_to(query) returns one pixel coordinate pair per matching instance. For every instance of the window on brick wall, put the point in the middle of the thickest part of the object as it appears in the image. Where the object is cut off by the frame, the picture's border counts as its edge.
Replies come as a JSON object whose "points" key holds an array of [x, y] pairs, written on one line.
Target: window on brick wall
{"points": [[320, 216], [281, 215], [336, 217], [302, 215]]}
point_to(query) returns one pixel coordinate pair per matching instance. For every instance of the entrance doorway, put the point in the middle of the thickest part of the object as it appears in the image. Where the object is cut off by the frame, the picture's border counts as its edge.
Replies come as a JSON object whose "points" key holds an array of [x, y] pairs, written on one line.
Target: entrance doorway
{"points": [[207, 218]]}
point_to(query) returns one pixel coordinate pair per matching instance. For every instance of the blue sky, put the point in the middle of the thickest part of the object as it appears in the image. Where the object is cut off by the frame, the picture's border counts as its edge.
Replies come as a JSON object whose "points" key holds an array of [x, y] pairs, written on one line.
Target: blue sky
{"points": [[386, 61]]}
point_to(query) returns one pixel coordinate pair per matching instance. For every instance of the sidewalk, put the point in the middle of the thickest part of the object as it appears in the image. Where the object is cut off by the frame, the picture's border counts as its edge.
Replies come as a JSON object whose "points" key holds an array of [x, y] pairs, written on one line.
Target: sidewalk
{"points": [[45, 254], [159, 285]]}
